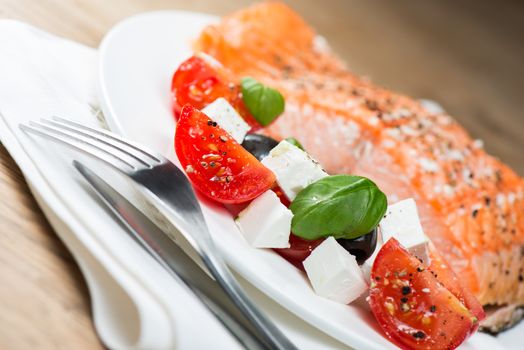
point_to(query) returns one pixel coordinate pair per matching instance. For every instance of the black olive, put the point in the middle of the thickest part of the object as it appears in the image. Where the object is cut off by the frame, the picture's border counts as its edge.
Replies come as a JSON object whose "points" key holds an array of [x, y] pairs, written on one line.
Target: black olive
{"points": [[362, 247], [259, 145]]}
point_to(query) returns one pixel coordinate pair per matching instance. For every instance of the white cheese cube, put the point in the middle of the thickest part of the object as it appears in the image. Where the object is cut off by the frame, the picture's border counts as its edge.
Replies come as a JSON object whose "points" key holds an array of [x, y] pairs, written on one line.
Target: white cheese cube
{"points": [[402, 222], [368, 264], [266, 222], [293, 168], [334, 273], [228, 118]]}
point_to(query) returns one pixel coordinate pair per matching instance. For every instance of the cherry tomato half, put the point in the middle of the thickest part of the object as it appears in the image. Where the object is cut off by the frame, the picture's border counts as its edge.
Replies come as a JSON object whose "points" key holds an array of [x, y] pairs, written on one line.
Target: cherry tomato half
{"points": [[443, 272], [413, 308], [298, 251], [200, 81], [215, 163]]}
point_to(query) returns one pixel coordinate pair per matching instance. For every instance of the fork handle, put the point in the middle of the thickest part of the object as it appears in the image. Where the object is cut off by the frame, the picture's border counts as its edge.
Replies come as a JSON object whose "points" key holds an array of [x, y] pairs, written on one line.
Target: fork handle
{"points": [[274, 338]]}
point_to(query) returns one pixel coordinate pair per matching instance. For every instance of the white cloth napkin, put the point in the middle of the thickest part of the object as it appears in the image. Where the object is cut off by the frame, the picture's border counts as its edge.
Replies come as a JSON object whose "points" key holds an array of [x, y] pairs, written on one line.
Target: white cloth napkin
{"points": [[136, 304]]}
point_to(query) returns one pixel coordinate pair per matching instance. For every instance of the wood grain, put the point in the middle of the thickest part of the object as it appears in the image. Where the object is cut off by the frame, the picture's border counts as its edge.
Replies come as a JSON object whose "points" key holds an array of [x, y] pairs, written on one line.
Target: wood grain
{"points": [[466, 55]]}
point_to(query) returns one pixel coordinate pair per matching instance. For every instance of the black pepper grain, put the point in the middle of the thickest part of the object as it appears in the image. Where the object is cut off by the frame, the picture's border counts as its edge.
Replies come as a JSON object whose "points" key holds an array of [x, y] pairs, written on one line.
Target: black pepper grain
{"points": [[474, 213], [419, 335], [372, 105], [403, 300], [432, 308], [406, 290]]}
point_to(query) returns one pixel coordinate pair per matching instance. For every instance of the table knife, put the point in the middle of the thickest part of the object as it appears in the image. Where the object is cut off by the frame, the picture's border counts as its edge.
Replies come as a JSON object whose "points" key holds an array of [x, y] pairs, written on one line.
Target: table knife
{"points": [[172, 258]]}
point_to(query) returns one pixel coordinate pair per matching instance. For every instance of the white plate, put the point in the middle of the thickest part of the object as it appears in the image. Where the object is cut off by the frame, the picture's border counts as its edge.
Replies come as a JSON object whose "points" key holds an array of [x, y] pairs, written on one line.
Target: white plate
{"points": [[137, 60]]}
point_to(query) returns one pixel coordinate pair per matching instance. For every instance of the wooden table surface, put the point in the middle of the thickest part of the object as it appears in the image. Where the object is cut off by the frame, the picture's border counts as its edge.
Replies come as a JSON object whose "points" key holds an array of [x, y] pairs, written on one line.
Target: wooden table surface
{"points": [[468, 56]]}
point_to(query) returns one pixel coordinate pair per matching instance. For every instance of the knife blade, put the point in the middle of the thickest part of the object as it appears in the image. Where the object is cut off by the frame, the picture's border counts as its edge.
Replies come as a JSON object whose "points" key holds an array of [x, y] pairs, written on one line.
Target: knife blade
{"points": [[172, 258]]}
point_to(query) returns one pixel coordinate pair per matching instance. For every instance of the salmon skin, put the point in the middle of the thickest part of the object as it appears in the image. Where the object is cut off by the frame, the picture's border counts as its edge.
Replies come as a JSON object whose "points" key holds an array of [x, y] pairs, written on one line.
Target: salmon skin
{"points": [[471, 204]]}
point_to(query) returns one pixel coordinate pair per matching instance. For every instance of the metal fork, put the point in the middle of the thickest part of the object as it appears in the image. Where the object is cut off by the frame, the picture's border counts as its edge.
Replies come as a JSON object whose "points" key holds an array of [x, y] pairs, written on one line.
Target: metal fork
{"points": [[168, 188]]}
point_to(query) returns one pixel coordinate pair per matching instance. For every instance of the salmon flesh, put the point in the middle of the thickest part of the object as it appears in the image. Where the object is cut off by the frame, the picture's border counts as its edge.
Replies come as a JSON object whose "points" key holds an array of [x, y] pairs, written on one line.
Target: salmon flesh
{"points": [[471, 204]]}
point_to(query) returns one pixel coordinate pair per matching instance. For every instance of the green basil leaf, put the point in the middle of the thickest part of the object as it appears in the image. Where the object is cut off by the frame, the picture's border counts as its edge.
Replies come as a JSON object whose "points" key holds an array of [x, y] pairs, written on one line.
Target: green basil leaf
{"points": [[295, 142], [263, 102], [343, 206]]}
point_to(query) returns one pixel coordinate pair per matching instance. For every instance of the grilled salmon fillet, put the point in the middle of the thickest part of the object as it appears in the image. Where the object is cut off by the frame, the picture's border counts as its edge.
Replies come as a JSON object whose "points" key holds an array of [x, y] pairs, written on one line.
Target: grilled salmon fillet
{"points": [[471, 204]]}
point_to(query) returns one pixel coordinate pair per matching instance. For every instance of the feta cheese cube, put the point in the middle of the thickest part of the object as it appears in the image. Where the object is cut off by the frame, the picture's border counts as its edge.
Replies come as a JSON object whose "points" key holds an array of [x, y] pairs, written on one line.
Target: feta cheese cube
{"points": [[228, 118], [266, 222], [402, 222], [334, 273], [293, 168]]}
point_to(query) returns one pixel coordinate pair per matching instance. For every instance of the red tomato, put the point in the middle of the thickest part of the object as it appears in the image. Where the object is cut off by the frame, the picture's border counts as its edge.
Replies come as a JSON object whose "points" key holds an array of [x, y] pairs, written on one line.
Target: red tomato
{"points": [[299, 250], [282, 196], [412, 307], [215, 163], [199, 82], [443, 272]]}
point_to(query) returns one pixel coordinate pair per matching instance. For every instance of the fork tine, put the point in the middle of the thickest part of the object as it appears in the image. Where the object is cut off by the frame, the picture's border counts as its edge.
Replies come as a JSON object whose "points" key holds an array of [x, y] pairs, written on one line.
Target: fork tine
{"points": [[109, 137], [81, 145], [78, 132]]}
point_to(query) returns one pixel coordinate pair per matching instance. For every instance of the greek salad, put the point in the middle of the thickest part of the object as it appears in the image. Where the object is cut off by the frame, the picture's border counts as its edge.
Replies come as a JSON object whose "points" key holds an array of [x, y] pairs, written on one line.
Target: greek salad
{"points": [[337, 228]]}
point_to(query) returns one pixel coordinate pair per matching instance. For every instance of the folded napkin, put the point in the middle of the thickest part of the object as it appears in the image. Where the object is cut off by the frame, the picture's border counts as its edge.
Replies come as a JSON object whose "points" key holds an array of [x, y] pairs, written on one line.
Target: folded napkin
{"points": [[136, 304]]}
